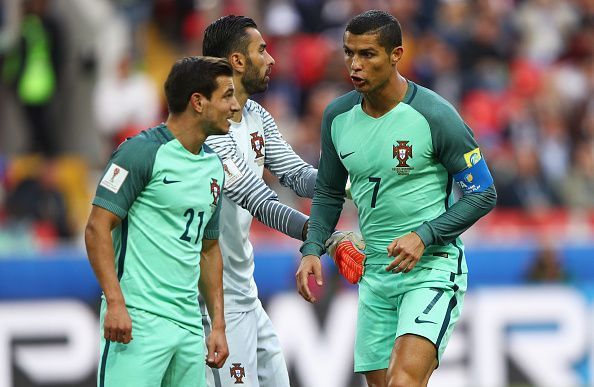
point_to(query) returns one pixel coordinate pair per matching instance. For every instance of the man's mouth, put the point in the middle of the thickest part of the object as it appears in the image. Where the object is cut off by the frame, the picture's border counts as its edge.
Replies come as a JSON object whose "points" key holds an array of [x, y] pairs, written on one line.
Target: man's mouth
{"points": [[357, 81]]}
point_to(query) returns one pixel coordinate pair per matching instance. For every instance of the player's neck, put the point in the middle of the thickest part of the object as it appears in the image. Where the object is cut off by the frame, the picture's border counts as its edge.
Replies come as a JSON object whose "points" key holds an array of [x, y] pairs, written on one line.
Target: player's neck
{"points": [[187, 131], [382, 100]]}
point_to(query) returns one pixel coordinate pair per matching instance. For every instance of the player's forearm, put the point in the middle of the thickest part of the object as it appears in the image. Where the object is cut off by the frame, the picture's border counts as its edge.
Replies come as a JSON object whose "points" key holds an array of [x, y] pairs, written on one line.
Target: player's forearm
{"points": [[458, 218], [282, 218], [99, 246], [302, 182], [325, 212], [211, 281]]}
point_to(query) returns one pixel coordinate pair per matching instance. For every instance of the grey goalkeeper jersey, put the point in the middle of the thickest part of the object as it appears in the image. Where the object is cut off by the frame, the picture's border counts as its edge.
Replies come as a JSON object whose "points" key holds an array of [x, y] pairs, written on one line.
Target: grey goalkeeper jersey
{"points": [[250, 146]]}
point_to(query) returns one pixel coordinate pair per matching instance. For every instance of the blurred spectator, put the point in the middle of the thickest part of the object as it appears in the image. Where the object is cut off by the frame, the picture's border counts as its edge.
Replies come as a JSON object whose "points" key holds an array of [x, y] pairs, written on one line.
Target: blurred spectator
{"points": [[32, 67], [528, 189], [37, 201], [125, 103], [547, 266], [578, 186], [544, 26], [10, 20]]}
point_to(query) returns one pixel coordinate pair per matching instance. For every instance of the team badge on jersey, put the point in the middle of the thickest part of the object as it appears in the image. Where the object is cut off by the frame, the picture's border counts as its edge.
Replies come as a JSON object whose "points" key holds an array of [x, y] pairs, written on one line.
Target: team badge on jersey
{"points": [[258, 147], [402, 152], [215, 190], [114, 178], [237, 372]]}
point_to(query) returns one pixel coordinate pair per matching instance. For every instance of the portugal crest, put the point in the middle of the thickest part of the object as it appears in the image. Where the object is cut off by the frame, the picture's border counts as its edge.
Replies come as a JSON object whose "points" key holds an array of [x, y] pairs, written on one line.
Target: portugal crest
{"points": [[215, 190], [402, 152], [258, 146], [237, 372]]}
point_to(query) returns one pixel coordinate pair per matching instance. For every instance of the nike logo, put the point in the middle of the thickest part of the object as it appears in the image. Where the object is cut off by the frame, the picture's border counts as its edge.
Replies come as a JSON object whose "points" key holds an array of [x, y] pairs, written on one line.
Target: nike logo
{"points": [[165, 181], [345, 155], [419, 321]]}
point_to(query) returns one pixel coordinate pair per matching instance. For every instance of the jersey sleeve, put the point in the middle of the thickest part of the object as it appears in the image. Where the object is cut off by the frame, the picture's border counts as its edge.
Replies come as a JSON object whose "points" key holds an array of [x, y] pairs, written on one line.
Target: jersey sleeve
{"points": [[282, 160], [128, 171], [250, 192], [211, 231], [457, 150], [329, 191]]}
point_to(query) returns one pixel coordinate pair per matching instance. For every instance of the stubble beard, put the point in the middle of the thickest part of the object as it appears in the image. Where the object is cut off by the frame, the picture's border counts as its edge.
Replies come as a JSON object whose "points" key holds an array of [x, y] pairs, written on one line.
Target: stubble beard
{"points": [[251, 81]]}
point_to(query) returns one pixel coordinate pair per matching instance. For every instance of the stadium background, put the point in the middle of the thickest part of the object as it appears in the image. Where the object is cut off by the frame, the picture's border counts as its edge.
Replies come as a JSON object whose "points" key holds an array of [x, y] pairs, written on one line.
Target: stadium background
{"points": [[521, 72]]}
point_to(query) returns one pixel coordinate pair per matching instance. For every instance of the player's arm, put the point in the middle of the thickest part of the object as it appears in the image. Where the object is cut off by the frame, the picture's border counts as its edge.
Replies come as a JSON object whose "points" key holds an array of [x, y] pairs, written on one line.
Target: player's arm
{"points": [[211, 289], [283, 162], [126, 175], [325, 210], [99, 244], [250, 192]]}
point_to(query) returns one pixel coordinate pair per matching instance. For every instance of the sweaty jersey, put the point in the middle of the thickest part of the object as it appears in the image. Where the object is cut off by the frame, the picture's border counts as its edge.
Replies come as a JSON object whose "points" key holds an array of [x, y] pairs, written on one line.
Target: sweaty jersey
{"points": [[169, 200], [250, 146], [401, 167]]}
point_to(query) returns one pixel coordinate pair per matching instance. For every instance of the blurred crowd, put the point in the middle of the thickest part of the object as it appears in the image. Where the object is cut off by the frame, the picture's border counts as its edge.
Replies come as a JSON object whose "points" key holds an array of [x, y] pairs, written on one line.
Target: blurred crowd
{"points": [[78, 77]]}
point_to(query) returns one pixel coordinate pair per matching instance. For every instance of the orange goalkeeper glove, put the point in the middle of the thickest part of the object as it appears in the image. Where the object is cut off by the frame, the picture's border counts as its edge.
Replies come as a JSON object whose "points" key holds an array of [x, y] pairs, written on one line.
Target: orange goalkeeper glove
{"points": [[347, 249]]}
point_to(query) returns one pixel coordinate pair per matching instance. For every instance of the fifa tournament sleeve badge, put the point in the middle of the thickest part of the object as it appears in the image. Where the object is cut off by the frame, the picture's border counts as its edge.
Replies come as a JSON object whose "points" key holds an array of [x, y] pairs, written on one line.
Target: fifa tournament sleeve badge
{"points": [[114, 178], [258, 147], [215, 190], [237, 372]]}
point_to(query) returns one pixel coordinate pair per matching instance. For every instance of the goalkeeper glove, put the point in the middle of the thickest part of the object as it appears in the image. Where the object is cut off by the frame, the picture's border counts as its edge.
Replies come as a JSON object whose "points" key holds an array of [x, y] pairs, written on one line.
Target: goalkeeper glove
{"points": [[347, 249]]}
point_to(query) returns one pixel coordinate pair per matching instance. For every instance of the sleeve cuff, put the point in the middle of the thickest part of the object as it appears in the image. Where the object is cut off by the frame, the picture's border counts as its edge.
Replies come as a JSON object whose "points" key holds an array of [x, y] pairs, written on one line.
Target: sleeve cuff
{"points": [[310, 248], [211, 234], [111, 207], [296, 224], [426, 234]]}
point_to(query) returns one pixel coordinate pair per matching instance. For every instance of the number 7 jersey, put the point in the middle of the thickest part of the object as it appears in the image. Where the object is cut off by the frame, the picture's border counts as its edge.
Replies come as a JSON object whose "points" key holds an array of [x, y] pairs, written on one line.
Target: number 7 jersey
{"points": [[401, 166], [169, 200]]}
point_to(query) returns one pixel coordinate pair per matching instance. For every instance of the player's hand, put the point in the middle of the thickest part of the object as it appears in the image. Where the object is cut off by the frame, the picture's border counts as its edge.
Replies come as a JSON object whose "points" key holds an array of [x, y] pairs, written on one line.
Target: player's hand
{"points": [[118, 324], [407, 250], [218, 351], [310, 265], [347, 249]]}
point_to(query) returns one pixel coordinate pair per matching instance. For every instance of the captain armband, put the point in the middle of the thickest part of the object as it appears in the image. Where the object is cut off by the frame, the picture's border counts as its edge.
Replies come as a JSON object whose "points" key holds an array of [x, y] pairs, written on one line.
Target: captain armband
{"points": [[476, 178]]}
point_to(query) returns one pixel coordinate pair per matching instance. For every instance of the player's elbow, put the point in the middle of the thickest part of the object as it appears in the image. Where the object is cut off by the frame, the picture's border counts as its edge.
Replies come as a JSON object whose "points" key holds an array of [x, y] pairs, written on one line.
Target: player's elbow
{"points": [[491, 198]]}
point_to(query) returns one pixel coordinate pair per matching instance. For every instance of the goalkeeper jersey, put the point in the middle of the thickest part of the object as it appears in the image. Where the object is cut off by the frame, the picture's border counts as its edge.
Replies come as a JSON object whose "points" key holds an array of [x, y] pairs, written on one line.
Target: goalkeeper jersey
{"points": [[401, 167], [250, 146], [168, 200]]}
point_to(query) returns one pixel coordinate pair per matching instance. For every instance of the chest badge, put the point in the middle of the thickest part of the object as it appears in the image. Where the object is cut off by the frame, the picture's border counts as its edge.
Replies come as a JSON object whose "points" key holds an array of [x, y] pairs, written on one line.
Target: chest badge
{"points": [[402, 152], [258, 147], [215, 190], [237, 372]]}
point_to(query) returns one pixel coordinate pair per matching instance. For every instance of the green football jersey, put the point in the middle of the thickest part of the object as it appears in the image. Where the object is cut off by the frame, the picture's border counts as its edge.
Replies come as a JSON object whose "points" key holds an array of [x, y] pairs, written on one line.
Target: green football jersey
{"points": [[168, 200], [401, 167]]}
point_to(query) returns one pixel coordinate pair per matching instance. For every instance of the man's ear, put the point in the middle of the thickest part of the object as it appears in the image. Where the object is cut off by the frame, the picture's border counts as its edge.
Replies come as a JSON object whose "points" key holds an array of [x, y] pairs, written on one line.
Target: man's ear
{"points": [[396, 55], [237, 61], [197, 101]]}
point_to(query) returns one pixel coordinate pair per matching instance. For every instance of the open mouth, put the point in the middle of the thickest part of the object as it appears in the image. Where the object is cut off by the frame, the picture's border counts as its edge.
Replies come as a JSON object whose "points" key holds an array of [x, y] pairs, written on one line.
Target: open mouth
{"points": [[357, 81]]}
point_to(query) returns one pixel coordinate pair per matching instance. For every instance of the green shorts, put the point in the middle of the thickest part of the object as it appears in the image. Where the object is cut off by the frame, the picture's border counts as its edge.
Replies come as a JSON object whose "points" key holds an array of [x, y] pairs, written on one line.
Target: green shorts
{"points": [[425, 302], [161, 354]]}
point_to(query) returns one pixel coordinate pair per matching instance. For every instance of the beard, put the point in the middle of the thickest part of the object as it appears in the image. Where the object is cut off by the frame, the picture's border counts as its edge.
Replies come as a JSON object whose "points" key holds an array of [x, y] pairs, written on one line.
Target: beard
{"points": [[251, 81]]}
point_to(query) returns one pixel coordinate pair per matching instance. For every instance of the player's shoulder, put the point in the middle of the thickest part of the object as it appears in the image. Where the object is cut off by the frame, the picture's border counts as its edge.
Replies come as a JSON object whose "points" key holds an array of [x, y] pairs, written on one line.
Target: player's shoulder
{"points": [[147, 141], [430, 104], [211, 153], [342, 104], [254, 108]]}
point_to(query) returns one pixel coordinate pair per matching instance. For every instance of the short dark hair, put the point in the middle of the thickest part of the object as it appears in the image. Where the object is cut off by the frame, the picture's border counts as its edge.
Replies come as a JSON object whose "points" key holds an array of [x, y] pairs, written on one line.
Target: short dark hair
{"points": [[194, 74], [378, 22], [227, 35]]}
